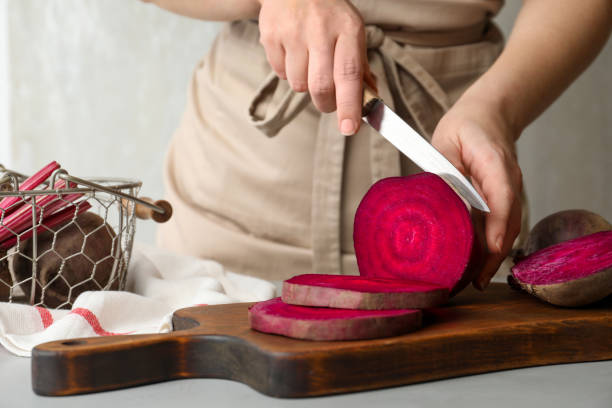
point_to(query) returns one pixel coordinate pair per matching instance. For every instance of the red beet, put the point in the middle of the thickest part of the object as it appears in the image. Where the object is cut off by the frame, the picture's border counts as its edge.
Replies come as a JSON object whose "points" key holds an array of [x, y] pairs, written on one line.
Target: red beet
{"points": [[416, 228], [563, 226], [311, 323], [358, 292], [572, 273]]}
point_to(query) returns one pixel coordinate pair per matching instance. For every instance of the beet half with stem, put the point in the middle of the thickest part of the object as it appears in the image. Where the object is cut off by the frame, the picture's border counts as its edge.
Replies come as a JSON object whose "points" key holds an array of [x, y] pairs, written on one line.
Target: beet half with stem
{"points": [[358, 292], [562, 226], [326, 324], [571, 273], [417, 228]]}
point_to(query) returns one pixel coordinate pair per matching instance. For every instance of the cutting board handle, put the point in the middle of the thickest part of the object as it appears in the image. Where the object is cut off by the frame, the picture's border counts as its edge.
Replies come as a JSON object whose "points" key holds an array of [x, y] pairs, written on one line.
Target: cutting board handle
{"points": [[93, 364], [103, 363]]}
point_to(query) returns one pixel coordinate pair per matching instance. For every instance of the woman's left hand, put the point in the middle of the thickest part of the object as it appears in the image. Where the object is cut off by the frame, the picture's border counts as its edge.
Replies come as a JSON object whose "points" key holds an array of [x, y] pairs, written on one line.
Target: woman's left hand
{"points": [[479, 141]]}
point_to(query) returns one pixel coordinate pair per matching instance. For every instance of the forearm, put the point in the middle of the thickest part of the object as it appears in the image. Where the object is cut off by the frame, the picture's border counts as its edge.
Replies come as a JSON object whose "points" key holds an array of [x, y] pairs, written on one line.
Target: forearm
{"points": [[552, 42], [217, 10]]}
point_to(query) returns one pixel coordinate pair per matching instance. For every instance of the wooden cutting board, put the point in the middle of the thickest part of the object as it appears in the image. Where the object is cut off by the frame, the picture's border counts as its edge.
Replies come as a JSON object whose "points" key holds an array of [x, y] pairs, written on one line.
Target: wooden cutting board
{"points": [[476, 333]]}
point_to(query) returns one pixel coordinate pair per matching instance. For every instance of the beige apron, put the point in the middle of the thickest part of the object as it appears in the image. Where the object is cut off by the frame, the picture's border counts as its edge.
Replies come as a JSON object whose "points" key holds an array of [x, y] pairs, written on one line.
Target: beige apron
{"points": [[264, 183]]}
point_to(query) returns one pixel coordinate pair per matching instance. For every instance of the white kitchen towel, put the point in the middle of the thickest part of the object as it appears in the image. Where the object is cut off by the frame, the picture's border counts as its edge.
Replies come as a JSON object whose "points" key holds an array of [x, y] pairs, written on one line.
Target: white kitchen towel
{"points": [[159, 282]]}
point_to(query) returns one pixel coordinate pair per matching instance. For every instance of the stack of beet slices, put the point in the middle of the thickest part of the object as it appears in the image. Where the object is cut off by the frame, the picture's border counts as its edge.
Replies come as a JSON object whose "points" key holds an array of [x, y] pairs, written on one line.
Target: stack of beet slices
{"points": [[415, 245], [340, 307]]}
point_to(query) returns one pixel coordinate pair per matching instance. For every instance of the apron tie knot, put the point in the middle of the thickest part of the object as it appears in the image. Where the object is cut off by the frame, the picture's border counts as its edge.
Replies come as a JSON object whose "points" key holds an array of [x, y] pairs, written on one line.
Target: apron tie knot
{"points": [[374, 36]]}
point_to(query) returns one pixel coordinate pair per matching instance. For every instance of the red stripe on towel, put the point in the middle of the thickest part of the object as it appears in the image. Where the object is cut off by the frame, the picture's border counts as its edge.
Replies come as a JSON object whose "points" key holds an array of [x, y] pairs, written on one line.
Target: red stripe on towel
{"points": [[93, 322], [45, 316]]}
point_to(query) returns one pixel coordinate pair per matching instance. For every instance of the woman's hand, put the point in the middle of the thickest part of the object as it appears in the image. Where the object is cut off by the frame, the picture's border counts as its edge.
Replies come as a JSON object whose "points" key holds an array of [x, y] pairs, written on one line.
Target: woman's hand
{"points": [[319, 47], [545, 52], [480, 142]]}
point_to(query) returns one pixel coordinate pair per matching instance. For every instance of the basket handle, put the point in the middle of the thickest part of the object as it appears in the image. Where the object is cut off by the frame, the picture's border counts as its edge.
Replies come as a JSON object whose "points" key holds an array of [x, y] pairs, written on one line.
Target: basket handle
{"points": [[145, 212], [159, 211]]}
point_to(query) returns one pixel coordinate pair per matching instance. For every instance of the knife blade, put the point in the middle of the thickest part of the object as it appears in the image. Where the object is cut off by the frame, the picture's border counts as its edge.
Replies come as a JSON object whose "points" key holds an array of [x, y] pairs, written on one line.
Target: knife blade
{"points": [[408, 141]]}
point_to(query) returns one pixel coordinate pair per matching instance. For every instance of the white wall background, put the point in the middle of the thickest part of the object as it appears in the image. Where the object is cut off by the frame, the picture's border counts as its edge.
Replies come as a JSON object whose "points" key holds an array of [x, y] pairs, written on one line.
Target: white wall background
{"points": [[100, 87], [5, 123], [566, 154]]}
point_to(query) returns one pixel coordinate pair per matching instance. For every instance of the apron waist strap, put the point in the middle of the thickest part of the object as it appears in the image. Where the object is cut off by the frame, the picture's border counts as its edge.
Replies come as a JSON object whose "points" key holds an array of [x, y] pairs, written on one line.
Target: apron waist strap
{"points": [[447, 38]]}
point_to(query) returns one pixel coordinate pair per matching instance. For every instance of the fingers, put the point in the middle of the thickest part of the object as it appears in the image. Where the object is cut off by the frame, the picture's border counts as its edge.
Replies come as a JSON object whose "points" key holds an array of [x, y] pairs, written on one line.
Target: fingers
{"points": [[332, 73], [275, 53], [319, 47], [480, 144], [321, 77], [333, 76], [495, 259], [276, 56], [505, 216], [296, 66], [500, 197], [348, 77], [501, 189]]}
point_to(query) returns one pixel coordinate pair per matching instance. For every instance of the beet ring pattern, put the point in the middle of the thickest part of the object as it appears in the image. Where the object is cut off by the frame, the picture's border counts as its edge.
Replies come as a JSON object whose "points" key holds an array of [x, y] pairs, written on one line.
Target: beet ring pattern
{"points": [[414, 228]]}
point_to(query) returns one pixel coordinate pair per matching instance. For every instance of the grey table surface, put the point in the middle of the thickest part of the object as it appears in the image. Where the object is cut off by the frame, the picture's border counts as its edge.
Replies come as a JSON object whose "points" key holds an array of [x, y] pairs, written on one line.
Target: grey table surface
{"points": [[587, 385]]}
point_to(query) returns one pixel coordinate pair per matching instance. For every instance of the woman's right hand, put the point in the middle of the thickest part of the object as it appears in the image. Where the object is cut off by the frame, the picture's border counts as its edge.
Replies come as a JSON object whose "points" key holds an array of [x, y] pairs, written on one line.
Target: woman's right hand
{"points": [[319, 47]]}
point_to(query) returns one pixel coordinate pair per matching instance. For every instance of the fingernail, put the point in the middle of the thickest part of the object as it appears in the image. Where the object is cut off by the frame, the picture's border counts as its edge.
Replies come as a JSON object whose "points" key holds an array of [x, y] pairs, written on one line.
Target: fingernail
{"points": [[347, 127], [498, 243]]}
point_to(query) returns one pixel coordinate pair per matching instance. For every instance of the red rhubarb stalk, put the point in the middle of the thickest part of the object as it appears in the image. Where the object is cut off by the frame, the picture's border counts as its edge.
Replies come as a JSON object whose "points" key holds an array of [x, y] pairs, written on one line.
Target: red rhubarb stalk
{"points": [[50, 221], [26, 207], [23, 218], [7, 203]]}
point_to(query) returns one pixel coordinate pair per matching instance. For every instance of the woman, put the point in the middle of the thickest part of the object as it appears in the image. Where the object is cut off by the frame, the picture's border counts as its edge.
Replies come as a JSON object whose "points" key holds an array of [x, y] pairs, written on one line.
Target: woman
{"points": [[258, 172]]}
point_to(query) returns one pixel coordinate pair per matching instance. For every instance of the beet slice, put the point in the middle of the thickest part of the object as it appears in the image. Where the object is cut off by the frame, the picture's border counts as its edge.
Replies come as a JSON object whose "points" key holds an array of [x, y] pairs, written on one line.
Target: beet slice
{"points": [[313, 323], [416, 228], [358, 292], [572, 273]]}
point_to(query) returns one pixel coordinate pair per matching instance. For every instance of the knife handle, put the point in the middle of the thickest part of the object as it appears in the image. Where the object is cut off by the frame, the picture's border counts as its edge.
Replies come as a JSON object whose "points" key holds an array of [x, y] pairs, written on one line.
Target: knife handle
{"points": [[370, 99]]}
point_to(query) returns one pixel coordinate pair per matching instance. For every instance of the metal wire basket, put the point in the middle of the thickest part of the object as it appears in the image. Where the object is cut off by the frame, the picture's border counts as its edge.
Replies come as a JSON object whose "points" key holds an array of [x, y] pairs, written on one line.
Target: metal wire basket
{"points": [[67, 236]]}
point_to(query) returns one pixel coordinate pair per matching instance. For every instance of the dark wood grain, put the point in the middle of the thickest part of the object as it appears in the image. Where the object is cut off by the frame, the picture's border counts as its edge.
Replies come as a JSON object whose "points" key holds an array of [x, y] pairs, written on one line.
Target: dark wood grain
{"points": [[476, 333]]}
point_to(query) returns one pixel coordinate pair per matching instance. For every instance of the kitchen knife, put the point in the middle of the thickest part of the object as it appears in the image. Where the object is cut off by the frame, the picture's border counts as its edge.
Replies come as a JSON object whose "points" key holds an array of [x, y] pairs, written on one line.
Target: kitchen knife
{"points": [[420, 151]]}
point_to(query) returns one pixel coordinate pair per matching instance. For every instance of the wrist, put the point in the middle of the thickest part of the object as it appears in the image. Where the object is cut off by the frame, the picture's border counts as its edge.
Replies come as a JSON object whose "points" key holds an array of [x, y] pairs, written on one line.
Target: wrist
{"points": [[494, 102]]}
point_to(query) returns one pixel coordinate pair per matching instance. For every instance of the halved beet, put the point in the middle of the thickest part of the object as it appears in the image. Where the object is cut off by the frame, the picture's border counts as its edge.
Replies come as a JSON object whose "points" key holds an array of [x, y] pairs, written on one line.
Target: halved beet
{"points": [[313, 323], [572, 273], [358, 292], [562, 226], [416, 228]]}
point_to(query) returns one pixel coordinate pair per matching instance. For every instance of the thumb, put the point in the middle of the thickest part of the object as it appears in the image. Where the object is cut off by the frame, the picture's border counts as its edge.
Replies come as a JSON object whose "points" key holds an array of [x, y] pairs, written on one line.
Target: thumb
{"points": [[449, 149]]}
